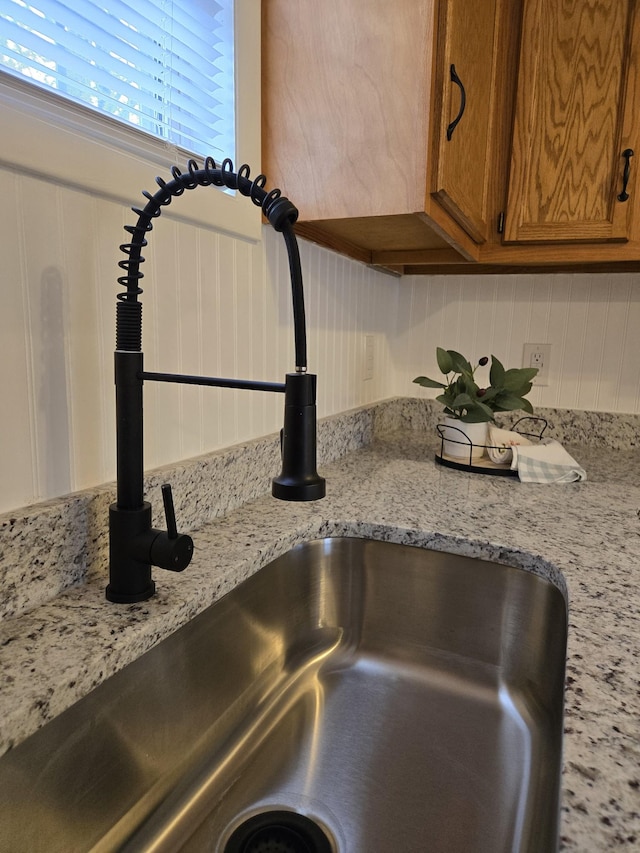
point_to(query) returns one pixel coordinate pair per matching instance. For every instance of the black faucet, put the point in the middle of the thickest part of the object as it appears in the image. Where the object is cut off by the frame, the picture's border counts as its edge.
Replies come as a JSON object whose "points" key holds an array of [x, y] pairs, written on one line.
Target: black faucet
{"points": [[134, 545]]}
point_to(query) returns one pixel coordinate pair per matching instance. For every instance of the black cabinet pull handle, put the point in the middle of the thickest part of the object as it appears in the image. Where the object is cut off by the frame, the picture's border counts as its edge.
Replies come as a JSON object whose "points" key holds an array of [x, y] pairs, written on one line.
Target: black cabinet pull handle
{"points": [[463, 103], [627, 154]]}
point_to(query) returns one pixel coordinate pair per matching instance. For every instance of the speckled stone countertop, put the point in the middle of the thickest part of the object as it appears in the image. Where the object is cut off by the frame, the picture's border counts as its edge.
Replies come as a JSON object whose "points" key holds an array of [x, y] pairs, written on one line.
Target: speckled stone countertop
{"points": [[585, 537]]}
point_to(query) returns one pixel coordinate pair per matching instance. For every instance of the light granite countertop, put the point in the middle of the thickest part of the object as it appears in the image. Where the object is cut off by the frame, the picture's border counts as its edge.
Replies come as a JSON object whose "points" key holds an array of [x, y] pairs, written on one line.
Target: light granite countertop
{"points": [[585, 537]]}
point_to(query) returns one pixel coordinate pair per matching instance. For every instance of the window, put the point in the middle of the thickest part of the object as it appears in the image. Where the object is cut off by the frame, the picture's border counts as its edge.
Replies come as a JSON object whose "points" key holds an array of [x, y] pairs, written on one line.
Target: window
{"points": [[161, 66], [148, 81]]}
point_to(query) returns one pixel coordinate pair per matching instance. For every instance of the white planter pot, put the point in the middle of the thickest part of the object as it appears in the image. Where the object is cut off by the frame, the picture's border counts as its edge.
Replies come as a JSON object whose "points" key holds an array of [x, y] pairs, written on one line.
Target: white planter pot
{"points": [[463, 441]]}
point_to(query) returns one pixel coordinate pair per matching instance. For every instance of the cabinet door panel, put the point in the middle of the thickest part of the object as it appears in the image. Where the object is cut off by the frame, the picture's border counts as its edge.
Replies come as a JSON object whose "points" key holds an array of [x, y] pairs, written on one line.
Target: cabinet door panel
{"points": [[345, 102], [574, 114], [467, 40]]}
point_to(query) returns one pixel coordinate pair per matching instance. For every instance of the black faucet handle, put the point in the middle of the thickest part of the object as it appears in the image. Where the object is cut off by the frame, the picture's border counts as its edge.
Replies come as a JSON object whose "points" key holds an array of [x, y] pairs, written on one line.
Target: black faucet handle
{"points": [[165, 549], [169, 511], [170, 550]]}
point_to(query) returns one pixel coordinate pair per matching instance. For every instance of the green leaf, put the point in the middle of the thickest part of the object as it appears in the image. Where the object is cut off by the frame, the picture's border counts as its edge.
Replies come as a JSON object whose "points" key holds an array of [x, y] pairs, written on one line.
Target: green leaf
{"points": [[496, 374], [462, 401], [522, 390], [477, 414], [445, 399], [466, 383], [518, 376], [527, 373], [456, 387], [428, 383], [444, 360], [488, 395], [460, 363], [507, 402]]}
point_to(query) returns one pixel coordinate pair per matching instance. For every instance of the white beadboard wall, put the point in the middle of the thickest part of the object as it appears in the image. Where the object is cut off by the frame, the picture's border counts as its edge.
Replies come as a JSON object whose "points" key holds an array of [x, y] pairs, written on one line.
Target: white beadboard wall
{"points": [[221, 306], [212, 305], [591, 321]]}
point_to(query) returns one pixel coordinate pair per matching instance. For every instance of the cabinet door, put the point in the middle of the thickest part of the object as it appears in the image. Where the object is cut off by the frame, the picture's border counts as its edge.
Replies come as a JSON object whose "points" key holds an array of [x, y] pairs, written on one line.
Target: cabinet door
{"points": [[464, 94], [345, 104], [574, 117]]}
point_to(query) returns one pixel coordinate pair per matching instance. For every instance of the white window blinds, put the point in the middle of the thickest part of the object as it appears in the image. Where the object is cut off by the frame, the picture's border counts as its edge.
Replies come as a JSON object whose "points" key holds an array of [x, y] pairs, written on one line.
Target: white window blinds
{"points": [[165, 67]]}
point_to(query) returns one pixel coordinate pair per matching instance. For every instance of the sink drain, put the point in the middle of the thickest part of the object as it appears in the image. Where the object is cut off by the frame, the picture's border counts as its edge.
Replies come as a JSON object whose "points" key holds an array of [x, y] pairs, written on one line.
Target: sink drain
{"points": [[278, 832]]}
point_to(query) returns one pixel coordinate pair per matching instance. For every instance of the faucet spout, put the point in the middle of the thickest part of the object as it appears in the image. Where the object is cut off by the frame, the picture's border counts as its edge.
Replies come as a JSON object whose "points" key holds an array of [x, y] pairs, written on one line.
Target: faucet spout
{"points": [[135, 546]]}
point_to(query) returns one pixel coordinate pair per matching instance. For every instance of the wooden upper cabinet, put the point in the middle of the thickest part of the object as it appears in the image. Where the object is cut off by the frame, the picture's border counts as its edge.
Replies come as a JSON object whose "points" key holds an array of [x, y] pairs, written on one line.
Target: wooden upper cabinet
{"points": [[346, 103], [357, 99], [465, 87], [347, 119], [577, 110]]}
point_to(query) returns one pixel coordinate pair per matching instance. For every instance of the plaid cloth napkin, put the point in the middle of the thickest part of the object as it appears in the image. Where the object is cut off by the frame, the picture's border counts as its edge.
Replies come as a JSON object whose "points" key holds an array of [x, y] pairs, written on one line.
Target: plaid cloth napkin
{"points": [[547, 462]]}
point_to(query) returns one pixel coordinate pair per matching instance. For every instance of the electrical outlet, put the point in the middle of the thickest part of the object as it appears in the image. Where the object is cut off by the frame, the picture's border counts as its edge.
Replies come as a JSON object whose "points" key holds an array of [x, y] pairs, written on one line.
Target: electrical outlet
{"points": [[538, 355], [369, 353]]}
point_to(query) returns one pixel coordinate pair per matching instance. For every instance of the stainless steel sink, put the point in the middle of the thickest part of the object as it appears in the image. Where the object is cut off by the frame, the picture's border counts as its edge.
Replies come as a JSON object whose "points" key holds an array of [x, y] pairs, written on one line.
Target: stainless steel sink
{"points": [[400, 699]]}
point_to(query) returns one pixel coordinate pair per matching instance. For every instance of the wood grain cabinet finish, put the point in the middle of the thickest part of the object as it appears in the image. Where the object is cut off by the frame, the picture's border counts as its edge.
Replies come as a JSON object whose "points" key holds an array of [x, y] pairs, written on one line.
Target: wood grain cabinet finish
{"points": [[576, 112], [465, 84], [357, 97], [347, 114]]}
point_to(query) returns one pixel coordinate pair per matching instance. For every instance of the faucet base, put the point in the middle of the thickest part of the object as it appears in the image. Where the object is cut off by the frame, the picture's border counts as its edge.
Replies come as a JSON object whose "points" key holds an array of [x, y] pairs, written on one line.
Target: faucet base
{"points": [[130, 579], [123, 598], [294, 490]]}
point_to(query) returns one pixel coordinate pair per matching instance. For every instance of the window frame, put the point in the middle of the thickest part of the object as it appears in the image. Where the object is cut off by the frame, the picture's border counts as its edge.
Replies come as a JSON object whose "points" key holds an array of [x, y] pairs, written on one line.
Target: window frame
{"points": [[52, 138]]}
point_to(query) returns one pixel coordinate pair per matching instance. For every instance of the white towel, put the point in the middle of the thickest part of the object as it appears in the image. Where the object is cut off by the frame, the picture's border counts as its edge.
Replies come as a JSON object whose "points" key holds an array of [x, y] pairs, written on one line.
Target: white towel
{"points": [[500, 443], [547, 462]]}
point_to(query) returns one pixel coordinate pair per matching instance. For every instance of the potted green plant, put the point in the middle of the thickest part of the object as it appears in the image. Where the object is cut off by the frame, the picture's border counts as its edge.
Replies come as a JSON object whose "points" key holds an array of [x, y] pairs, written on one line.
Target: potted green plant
{"points": [[468, 407]]}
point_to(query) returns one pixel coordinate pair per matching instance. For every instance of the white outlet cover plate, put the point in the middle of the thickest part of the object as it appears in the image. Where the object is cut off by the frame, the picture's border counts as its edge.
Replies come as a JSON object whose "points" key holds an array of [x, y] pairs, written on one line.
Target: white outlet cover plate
{"points": [[538, 355]]}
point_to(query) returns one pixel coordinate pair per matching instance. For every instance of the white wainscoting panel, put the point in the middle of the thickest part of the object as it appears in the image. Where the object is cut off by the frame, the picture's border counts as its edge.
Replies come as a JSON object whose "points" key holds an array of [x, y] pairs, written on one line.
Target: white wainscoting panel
{"points": [[212, 304], [221, 306], [591, 321]]}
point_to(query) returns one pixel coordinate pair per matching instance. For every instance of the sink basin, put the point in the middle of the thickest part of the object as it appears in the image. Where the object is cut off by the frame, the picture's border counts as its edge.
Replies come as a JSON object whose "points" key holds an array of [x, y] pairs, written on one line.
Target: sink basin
{"points": [[374, 696]]}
